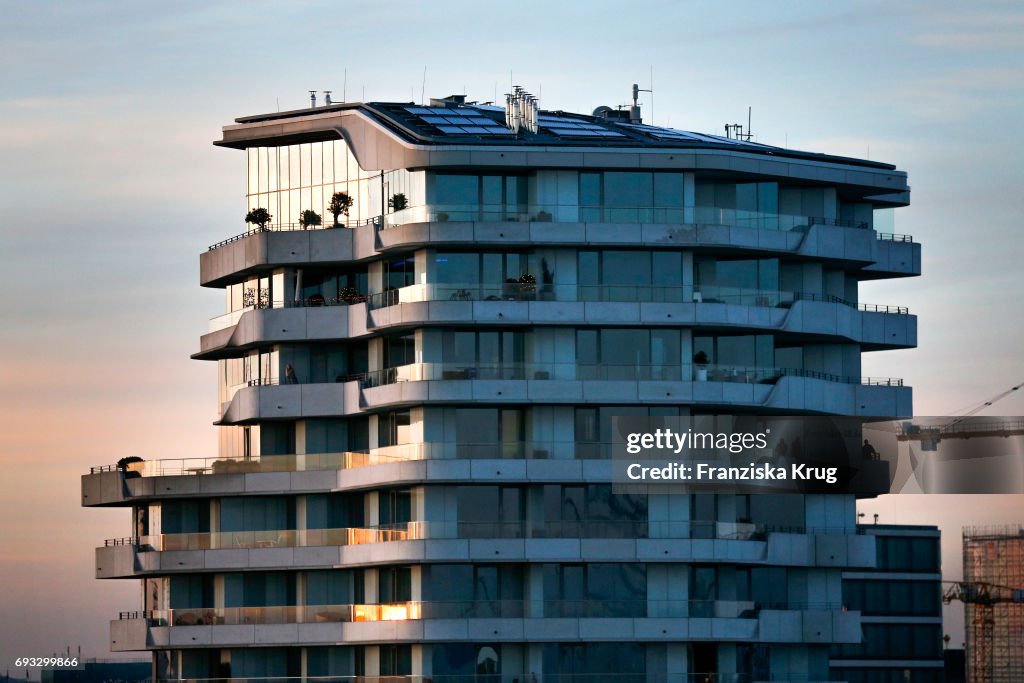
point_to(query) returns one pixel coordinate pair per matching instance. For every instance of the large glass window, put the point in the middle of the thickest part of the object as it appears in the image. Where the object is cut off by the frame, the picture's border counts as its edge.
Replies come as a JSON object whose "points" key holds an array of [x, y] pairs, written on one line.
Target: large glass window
{"points": [[289, 180], [630, 276], [334, 510], [908, 554], [737, 281], [491, 511], [631, 197], [465, 662], [626, 662], [259, 589], [734, 353], [333, 587], [257, 513], [488, 355], [595, 590], [490, 432], [592, 511], [892, 597], [477, 197], [628, 354]]}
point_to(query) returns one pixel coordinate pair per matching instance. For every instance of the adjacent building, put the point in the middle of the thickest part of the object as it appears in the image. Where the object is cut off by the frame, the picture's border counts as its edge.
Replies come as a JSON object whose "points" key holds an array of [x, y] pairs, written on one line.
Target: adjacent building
{"points": [[993, 593], [900, 603], [415, 400]]}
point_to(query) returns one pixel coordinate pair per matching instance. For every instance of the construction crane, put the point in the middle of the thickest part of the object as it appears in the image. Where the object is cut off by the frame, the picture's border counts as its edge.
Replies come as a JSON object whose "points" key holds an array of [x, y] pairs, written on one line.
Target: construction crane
{"points": [[929, 435], [982, 598]]}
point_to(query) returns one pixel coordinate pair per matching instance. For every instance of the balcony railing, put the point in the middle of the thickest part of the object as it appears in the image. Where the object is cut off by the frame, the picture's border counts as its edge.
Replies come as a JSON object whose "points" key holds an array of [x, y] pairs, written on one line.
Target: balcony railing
{"points": [[528, 291], [519, 677], [419, 372], [894, 237], [573, 213], [467, 609], [288, 227], [230, 319], [443, 530]]}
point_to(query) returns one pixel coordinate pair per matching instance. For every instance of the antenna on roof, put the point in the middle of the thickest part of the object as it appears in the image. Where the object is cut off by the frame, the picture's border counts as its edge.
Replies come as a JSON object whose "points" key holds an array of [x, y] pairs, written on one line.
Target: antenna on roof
{"points": [[734, 131], [344, 87], [634, 111], [423, 87], [653, 121]]}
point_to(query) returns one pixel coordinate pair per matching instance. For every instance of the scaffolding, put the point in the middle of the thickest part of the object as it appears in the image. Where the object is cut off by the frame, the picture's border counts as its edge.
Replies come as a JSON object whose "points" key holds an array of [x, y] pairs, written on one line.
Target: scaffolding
{"points": [[994, 603]]}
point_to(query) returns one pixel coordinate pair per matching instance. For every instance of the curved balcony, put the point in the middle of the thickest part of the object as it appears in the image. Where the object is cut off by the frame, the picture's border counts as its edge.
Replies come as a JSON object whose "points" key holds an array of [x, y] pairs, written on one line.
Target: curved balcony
{"points": [[419, 531], [816, 315], [845, 243], [503, 620], [560, 383], [472, 609], [510, 677], [595, 541]]}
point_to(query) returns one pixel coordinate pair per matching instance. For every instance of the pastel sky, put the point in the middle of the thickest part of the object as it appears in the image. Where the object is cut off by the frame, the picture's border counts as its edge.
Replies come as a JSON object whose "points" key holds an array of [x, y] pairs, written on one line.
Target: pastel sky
{"points": [[111, 189]]}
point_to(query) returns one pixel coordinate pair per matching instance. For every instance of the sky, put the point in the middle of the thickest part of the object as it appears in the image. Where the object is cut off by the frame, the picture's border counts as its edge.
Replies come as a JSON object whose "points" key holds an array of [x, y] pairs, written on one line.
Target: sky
{"points": [[110, 189]]}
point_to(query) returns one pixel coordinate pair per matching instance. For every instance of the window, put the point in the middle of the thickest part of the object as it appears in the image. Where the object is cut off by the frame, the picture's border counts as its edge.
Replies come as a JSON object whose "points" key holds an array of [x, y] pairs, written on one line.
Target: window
{"points": [[592, 511], [893, 597], [595, 590], [491, 511], [395, 584], [630, 276], [628, 354], [631, 197], [333, 587], [257, 513], [488, 355], [490, 432], [393, 428]]}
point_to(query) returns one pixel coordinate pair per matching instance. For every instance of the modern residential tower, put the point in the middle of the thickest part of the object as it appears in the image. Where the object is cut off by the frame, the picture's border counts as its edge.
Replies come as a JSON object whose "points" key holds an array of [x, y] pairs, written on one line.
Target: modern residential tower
{"points": [[416, 395]]}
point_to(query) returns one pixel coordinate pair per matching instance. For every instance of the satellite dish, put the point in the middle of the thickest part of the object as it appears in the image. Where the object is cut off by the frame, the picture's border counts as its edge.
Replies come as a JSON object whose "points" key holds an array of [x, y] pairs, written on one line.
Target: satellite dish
{"points": [[603, 111]]}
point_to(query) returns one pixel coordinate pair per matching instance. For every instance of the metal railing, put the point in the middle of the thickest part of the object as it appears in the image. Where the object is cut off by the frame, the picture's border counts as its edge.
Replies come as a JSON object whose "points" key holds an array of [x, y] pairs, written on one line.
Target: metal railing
{"points": [[471, 609], [506, 677], [574, 213], [445, 530], [894, 237], [231, 318], [528, 291], [288, 227], [418, 372]]}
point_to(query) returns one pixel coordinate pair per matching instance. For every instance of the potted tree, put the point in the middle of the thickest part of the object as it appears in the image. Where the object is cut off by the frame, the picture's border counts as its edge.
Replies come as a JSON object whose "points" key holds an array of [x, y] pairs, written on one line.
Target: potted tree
{"points": [[310, 218], [700, 360], [259, 217], [398, 202], [340, 204], [124, 463], [547, 291]]}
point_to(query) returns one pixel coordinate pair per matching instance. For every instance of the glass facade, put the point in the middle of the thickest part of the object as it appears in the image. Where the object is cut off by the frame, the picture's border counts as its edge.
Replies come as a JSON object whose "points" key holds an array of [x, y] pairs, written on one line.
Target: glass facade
{"points": [[289, 180]]}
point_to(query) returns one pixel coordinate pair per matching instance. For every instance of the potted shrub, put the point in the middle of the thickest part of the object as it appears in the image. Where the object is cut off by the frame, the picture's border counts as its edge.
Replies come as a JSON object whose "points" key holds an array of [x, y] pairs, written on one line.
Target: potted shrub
{"points": [[340, 204], [310, 218], [348, 294], [527, 287], [259, 217], [398, 202], [700, 360]]}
